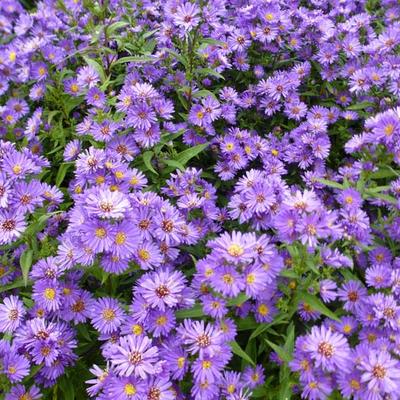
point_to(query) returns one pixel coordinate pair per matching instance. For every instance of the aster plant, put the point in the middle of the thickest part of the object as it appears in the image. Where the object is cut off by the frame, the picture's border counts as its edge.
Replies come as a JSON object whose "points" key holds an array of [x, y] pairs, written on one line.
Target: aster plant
{"points": [[199, 200]]}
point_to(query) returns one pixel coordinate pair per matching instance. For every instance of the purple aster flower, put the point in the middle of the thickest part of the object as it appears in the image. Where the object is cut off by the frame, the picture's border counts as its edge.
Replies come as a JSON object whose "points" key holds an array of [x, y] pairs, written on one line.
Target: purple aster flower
{"points": [[162, 289], [107, 204], [98, 235], [135, 355], [72, 150], [187, 16], [148, 255], [160, 388], [15, 366], [12, 312], [200, 338], [327, 290], [252, 377], [47, 294], [228, 281], [95, 97], [102, 378], [235, 247], [214, 306], [11, 226], [318, 387], [106, 315], [353, 294], [141, 116], [19, 392], [328, 349], [87, 77], [125, 388], [161, 322], [125, 239], [207, 369], [380, 372]]}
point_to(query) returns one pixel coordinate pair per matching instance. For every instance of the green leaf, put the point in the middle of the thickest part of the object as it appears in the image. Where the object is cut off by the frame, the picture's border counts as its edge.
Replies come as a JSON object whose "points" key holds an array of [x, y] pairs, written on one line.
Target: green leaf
{"points": [[179, 57], [67, 388], [238, 300], [241, 353], [134, 59], [259, 330], [209, 71], [26, 263], [194, 312], [17, 284], [283, 354], [317, 305], [385, 172], [96, 66], [213, 41], [331, 183], [174, 164], [361, 106], [116, 25], [382, 196], [147, 157], [62, 171], [184, 156], [204, 93]]}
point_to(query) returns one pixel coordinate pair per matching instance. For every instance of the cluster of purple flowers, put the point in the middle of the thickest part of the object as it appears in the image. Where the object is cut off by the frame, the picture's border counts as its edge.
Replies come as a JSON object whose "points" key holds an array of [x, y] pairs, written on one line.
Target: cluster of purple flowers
{"points": [[239, 264], [296, 107], [20, 192]]}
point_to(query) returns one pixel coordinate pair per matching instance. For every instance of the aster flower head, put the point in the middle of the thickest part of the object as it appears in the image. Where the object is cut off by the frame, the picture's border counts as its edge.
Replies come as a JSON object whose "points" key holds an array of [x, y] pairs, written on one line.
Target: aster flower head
{"points": [[187, 16], [105, 203], [235, 247], [135, 355], [19, 392], [12, 312], [162, 288], [380, 372], [106, 315], [328, 349], [199, 337]]}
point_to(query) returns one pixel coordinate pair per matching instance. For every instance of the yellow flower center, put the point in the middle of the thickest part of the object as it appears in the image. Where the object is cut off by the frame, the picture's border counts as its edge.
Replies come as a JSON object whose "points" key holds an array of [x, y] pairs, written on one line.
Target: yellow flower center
{"points": [[181, 362], [12, 370], [119, 174], [231, 388], [355, 384], [209, 272], [129, 389], [250, 278], [206, 364], [347, 328], [235, 250], [109, 314], [17, 169], [120, 238], [389, 129], [100, 233], [143, 254], [263, 309], [100, 180], [134, 180], [228, 278], [49, 293], [137, 329], [161, 320]]}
